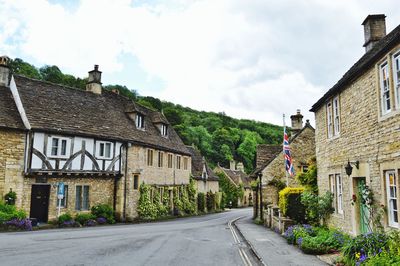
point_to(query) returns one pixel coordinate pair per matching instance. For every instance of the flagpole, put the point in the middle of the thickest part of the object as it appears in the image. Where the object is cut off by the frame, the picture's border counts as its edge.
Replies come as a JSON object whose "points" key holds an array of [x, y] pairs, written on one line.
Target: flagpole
{"points": [[283, 146]]}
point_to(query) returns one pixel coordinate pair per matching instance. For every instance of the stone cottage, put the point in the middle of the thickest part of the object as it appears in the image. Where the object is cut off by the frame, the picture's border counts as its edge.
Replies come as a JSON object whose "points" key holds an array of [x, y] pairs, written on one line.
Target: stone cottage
{"points": [[236, 175], [270, 161], [99, 144], [358, 133], [205, 178]]}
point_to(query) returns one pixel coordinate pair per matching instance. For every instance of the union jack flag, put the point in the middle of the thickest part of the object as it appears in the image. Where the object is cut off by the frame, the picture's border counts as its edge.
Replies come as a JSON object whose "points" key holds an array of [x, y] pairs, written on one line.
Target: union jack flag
{"points": [[288, 156]]}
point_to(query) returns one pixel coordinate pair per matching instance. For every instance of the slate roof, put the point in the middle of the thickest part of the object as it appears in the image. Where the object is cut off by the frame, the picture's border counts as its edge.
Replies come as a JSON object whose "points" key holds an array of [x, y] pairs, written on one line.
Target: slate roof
{"points": [[237, 176], [364, 63], [60, 109], [9, 116], [198, 163]]}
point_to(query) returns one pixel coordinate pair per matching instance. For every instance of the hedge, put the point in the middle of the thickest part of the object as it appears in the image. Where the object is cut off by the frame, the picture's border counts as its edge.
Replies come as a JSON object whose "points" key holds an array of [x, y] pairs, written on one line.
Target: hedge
{"points": [[294, 193]]}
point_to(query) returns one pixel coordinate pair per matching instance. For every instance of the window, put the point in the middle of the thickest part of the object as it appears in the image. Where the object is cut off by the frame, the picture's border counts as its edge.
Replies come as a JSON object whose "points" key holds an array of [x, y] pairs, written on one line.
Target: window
{"points": [[169, 160], [336, 119], [339, 193], [396, 77], [204, 175], [82, 198], [391, 190], [332, 186], [329, 119], [135, 182], [139, 121], [150, 157], [385, 92], [164, 130], [161, 191], [178, 162], [185, 163], [59, 147], [160, 159], [64, 201], [104, 150]]}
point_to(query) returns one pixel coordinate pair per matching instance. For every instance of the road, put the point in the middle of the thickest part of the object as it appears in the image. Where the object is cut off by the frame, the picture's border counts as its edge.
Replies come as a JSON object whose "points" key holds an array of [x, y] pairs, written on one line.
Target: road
{"points": [[203, 240]]}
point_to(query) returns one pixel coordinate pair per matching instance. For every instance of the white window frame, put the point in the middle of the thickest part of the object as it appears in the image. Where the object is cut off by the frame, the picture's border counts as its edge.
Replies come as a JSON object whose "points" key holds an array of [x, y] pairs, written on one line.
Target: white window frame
{"points": [[396, 77], [59, 147], [339, 193], [391, 199], [185, 163], [80, 206], [98, 155], [329, 122], [164, 130], [178, 162], [160, 161], [336, 116], [384, 91], [332, 183], [139, 121]]}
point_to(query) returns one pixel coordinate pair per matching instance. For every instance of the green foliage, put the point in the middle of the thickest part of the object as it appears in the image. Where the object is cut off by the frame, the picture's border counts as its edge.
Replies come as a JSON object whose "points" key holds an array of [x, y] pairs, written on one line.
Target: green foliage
{"points": [[123, 90], [309, 178], [188, 206], [147, 210], [83, 218], [284, 195], [210, 201], [66, 217], [232, 192], [10, 197], [384, 259], [18, 66], [318, 208], [360, 248], [178, 205], [201, 202], [9, 212], [278, 183], [105, 211]]}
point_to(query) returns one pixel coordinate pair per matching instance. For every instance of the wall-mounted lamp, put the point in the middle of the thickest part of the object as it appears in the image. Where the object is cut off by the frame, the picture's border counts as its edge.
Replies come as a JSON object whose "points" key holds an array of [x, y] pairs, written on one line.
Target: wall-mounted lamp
{"points": [[349, 168]]}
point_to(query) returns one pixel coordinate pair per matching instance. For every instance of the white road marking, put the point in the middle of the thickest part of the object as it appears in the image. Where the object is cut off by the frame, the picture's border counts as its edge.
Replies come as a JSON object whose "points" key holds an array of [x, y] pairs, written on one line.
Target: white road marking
{"points": [[243, 255]]}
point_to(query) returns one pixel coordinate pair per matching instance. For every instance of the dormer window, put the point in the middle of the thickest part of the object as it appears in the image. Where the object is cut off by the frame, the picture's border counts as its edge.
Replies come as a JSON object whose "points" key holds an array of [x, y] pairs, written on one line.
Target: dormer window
{"points": [[164, 130], [139, 121]]}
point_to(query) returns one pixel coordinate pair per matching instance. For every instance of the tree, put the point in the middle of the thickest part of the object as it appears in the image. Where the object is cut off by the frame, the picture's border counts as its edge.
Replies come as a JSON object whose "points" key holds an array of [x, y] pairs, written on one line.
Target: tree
{"points": [[20, 67], [123, 90]]}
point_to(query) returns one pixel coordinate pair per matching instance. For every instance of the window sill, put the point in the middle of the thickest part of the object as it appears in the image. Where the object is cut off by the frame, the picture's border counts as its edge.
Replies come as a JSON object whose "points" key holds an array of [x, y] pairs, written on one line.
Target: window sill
{"points": [[388, 115], [58, 157], [334, 137]]}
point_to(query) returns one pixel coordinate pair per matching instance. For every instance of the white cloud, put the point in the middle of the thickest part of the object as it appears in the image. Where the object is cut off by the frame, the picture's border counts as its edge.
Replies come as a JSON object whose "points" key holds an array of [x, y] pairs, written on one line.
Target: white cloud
{"points": [[251, 59]]}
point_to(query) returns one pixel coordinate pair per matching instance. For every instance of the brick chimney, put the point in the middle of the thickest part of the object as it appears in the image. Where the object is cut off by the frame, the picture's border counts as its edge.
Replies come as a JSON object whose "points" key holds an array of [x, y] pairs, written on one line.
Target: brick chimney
{"points": [[4, 71], [374, 30], [297, 122], [94, 81]]}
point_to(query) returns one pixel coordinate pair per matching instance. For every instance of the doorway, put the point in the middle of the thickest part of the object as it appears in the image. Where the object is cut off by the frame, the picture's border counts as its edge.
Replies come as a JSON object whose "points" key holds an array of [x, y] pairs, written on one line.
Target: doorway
{"points": [[362, 206], [40, 202]]}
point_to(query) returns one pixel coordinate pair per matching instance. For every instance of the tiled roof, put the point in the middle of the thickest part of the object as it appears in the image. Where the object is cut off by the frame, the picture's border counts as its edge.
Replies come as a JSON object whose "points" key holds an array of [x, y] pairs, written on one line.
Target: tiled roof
{"points": [[9, 116], [365, 62], [55, 108], [198, 163], [237, 176]]}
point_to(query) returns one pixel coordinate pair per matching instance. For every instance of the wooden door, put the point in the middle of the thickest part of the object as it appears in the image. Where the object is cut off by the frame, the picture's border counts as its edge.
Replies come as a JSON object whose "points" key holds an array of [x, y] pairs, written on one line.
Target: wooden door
{"points": [[40, 202], [363, 208]]}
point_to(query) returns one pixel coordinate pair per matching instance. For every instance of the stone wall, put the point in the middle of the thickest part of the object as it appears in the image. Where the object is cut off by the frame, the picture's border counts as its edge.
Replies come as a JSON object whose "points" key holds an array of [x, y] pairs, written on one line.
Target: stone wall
{"points": [[302, 150], [152, 175], [12, 147], [208, 186], [366, 136]]}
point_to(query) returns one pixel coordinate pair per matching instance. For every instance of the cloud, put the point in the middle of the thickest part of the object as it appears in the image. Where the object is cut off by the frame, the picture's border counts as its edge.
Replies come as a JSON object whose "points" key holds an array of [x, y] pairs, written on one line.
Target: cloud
{"points": [[252, 60]]}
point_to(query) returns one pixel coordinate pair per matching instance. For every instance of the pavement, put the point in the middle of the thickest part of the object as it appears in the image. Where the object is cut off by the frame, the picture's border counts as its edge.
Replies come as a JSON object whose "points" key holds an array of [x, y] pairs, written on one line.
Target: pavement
{"points": [[273, 248]]}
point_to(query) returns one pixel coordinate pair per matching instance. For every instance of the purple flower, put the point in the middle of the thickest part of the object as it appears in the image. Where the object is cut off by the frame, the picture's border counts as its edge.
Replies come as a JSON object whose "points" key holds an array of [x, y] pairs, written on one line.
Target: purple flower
{"points": [[23, 224], [299, 241], [363, 258], [90, 222], [101, 220]]}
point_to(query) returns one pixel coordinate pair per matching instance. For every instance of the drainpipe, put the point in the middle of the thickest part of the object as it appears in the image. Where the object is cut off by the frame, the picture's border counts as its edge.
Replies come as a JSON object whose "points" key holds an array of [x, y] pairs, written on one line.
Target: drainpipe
{"points": [[116, 179], [125, 183], [261, 199]]}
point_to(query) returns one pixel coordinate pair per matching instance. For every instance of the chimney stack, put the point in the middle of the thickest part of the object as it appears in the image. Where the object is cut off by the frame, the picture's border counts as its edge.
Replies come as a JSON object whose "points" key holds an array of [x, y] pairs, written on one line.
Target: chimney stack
{"points": [[94, 81], [374, 30], [297, 122], [4, 71], [232, 165], [240, 167]]}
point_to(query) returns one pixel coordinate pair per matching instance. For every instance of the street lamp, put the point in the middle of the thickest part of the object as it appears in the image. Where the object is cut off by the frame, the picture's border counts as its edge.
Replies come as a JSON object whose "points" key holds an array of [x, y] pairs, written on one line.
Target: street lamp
{"points": [[349, 168]]}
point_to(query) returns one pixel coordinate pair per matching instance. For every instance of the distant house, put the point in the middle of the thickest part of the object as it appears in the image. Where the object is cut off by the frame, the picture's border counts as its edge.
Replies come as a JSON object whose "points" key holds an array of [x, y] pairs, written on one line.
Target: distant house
{"points": [[206, 180], [270, 160], [357, 128], [101, 145], [236, 175]]}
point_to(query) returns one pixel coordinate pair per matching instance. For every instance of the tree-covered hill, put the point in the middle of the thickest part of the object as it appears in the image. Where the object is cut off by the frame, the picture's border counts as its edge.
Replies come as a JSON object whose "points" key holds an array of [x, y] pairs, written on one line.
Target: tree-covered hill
{"points": [[219, 137]]}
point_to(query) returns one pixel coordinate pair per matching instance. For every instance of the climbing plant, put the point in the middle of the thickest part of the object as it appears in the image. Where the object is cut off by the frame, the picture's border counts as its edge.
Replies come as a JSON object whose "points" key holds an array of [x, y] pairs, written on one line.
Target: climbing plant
{"points": [[147, 210]]}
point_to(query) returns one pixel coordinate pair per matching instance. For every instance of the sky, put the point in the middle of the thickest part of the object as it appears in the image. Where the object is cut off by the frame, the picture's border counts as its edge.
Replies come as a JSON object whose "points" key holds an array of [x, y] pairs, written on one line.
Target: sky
{"points": [[253, 59]]}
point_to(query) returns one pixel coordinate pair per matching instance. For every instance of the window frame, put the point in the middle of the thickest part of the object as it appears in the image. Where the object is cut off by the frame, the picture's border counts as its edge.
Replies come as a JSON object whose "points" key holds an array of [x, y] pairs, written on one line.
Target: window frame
{"points": [[160, 159], [336, 115], [59, 147], [170, 160], [164, 130], [339, 193], [150, 157], [82, 206], [185, 163], [136, 182], [104, 157], [329, 120], [396, 77], [139, 121], [391, 217], [178, 162], [384, 108], [332, 187]]}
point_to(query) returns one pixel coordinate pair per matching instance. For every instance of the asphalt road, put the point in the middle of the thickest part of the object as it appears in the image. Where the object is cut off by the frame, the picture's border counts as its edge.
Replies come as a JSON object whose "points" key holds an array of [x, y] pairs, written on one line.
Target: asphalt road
{"points": [[204, 240]]}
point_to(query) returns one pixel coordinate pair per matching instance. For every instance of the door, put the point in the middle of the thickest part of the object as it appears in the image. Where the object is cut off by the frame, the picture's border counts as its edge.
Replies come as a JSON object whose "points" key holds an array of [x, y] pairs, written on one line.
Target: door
{"points": [[363, 208], [40, 202]]}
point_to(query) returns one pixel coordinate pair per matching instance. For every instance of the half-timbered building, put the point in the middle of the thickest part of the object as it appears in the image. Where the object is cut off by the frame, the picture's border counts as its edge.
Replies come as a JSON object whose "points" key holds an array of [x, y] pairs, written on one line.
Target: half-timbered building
{"points": [[101, 145]]}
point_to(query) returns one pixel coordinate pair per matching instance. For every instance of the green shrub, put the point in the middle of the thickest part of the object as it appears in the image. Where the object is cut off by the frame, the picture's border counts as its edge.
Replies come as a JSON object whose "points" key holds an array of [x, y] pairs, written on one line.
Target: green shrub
{"points": [[104, 211], [161, 208], [9, 212], [294, 232], [324, 241], [83, 218], [189, 206], [383, 259], [362, 247], [66, 217], [210, 201], [201, 202], [147, 209], [284, 197], [317, 207], [10, 197], [178, 205]]}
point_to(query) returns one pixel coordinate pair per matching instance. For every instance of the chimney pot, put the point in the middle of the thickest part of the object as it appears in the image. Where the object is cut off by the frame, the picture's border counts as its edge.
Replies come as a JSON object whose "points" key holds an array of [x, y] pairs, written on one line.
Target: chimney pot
{"points": [[374, 30]]}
